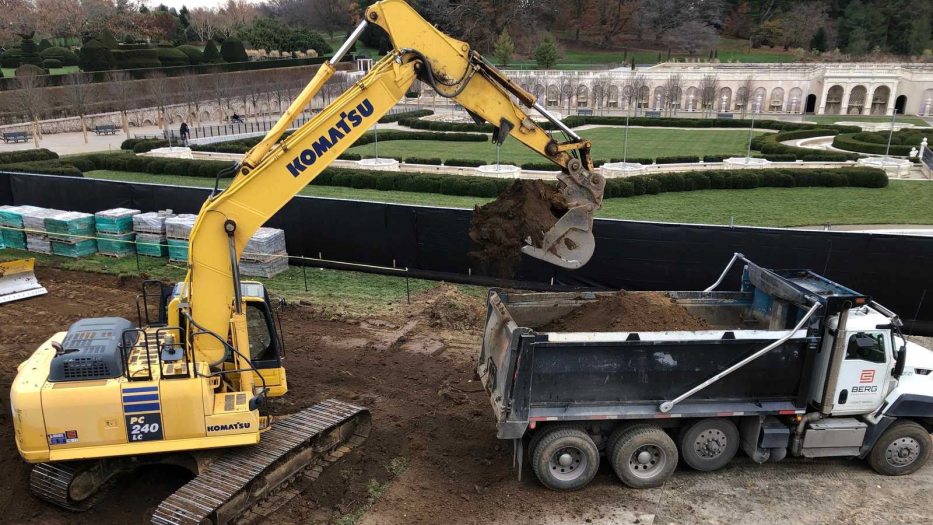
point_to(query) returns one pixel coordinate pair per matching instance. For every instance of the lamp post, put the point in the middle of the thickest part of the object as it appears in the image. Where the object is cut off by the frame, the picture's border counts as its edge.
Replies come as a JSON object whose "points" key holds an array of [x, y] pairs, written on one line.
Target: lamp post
{"points": [[748, 152], [890, 133]]}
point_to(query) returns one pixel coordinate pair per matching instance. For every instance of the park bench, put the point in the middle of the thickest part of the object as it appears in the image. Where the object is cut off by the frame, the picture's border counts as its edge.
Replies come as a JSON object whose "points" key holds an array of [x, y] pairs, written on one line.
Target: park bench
{"points": [[15, 136], [105, 129], [724, 115], [585, 112], [653, 114]]}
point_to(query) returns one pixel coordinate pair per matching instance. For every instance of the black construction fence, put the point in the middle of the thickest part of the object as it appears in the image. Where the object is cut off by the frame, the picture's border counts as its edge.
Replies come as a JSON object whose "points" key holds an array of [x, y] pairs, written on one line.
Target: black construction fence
{"points": [[433, 243]]}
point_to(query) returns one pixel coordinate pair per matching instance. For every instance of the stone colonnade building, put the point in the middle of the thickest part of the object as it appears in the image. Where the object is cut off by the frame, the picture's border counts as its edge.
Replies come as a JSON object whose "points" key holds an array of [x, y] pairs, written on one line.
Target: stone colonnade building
{"points": [[789, 88]]}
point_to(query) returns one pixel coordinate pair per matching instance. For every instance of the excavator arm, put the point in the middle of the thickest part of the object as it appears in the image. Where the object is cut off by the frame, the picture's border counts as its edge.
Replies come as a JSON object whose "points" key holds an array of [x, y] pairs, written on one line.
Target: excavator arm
{"points": [[275, 170]]}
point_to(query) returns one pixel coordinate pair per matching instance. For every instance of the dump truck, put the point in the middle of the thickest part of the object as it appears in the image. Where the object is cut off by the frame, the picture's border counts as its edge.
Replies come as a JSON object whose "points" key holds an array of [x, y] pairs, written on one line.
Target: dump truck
{"points": [[791, 364]]}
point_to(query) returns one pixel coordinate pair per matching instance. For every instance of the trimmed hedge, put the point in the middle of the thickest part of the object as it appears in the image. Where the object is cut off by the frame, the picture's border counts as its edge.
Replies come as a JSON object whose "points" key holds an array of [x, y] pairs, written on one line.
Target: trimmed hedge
{"points": [[715, 158], [434, 161], [540, 166], [768, 145], [232, 50], [12, 59], [95, 56], [169, 57], [137, 58], [677, 160], [194, 54], [466, 163], [806, 133], [50, 63], [155, 165], [243, 145], [404, 115], [27, 155], [66, 56], [45, 167], [876, 142]]}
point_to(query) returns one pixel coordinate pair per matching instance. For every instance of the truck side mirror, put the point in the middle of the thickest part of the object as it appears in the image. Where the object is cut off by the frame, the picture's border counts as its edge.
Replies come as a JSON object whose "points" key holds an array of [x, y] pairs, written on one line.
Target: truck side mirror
{"points": [[900, 363]]}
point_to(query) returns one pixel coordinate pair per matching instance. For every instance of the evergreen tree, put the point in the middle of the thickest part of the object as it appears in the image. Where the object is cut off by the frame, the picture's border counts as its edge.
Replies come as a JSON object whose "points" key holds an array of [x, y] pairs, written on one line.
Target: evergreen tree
{"points": [[818, 42], [211, 54], [546, 53], [504, 48]]}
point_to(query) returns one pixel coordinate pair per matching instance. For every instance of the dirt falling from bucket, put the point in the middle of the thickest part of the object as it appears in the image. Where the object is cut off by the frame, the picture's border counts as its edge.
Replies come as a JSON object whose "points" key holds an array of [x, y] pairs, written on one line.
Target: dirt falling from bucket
{"points": [[527, 208]]}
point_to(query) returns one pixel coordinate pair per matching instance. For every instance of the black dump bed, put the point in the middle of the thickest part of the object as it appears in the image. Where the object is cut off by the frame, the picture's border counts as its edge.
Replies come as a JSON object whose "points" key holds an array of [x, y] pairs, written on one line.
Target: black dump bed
{"points": [[535, 375]]}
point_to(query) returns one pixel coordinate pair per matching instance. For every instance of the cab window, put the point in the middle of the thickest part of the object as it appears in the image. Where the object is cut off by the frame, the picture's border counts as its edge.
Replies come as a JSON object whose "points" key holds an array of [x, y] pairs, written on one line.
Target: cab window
{"points": [[260, 339], [866, 346]]}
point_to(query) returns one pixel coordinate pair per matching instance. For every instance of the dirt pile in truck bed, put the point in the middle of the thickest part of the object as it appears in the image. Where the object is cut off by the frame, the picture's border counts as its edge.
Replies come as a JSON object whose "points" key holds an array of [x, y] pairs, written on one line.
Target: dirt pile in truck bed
{"points": [[628, 312], [527, 208]]}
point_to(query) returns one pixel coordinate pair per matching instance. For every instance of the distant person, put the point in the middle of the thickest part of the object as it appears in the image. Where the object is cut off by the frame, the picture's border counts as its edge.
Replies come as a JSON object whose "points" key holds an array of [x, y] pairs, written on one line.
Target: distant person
{"points": [[184, 132], [236, 119]]}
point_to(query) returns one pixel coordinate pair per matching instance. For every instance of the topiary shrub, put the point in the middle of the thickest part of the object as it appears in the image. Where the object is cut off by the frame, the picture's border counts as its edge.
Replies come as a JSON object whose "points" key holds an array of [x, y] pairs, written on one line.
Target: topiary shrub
{"points": [[66, 56], [28, 70], [232, 50], [30, 51], [12, 59], [107, 38], [50, 63], [211, 54], [195, 55], [29, 155], [169, 57], [43, 45], [95, 56], [137, 58]]}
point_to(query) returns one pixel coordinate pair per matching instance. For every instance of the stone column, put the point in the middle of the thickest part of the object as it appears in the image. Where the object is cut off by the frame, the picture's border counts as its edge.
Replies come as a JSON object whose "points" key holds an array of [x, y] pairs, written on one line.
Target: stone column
{"points": [[821, 103], [869, 98], [892, 100], [844, 106]]}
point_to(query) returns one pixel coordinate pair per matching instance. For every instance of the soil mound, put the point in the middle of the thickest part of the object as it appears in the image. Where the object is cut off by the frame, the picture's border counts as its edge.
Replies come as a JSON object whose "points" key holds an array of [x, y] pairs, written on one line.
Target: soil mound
{"points": [[449, 308], [628, 312], [527, 208]]}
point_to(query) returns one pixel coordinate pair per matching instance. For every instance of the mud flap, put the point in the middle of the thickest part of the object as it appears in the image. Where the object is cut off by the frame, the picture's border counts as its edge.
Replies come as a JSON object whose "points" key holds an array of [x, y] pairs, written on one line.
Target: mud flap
{"points": [[18, 281], [518, 456]]}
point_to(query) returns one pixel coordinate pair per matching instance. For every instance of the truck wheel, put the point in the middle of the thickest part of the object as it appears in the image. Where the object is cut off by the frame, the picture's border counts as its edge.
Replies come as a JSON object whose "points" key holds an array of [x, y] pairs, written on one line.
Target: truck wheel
{"points": [[709, 444], [644, 457], [902, 449], [565, 459]]}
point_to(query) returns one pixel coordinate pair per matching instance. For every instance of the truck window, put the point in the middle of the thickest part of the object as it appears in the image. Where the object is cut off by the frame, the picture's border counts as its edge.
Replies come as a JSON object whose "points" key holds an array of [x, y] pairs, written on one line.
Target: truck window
{"points": [[258, 328], [866, 346]]}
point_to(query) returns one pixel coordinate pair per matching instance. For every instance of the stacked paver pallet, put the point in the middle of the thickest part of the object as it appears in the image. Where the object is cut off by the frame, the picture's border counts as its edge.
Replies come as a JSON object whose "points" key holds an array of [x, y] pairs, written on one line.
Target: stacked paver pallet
{"points": [[177, 230], [71, 234], [37, 238], [265, 254], [115, 235], [11, 226], [150, 233]]}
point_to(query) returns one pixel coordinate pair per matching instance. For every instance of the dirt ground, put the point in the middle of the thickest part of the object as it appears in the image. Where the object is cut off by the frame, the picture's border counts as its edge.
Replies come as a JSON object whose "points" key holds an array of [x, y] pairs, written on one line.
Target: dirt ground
{"points": [[433, 456]]}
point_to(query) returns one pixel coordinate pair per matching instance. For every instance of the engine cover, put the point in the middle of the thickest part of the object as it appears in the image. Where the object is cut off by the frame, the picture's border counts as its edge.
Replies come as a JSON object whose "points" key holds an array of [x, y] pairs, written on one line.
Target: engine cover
{"points": [[92, 350]]}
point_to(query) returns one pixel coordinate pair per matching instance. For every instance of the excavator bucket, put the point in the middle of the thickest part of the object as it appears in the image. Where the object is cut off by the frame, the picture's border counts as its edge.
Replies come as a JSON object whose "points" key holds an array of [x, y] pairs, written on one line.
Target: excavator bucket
{"points": [[18, 281], [570, 242]]}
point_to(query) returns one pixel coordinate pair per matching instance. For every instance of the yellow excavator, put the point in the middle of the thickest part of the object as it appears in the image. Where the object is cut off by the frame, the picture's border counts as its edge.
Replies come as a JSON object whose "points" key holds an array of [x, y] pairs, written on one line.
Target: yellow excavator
{"points": [[189, 386]]}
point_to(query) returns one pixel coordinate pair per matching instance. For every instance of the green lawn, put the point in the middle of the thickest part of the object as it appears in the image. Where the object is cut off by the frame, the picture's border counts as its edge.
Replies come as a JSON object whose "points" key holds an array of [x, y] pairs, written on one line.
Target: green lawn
{"points": [[355, 293], [832, 119], [10, 72], [903, 202], [607, 144]]}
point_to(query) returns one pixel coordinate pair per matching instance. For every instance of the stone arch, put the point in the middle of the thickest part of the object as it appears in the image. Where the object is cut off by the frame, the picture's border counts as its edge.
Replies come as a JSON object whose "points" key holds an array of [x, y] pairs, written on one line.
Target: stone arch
{"points": [[148, 122], [725, 99], [539, 91], [691, 100], [553, 96], [879, 100], [833, 100], [759, 101], [811, 104], [926, 103], [644, 93], [676, 97], [204, 116], [741, 98], [776, 102], [178, 118], [583, 96], [900, 104], [613, 96], [856, 103], [795, 100], [659, 100]]}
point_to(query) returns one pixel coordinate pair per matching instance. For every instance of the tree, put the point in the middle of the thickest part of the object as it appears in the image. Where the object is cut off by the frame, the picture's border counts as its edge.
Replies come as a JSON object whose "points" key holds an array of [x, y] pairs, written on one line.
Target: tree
{"points": [[232, 50], [692, 36], [211, 54], [159, 92], [122, 94], [95, 56], [30, 101], [818, 42], [673, 91], [191, 88], [504, 48], [709, 90], [204, 23], [77, 93], [546, 53], [744, 93], [333, 15]]}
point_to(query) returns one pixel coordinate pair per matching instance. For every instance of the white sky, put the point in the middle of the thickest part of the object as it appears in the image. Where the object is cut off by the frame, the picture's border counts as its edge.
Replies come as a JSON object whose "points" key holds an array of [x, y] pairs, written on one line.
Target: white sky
{"points": [[190, 3]]}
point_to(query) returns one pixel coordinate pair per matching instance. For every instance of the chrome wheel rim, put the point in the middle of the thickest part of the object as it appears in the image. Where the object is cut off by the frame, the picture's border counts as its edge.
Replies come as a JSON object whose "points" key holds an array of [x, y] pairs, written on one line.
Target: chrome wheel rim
{"points": [[647, 461], [710, 443], [567, 463], [902, 452]]}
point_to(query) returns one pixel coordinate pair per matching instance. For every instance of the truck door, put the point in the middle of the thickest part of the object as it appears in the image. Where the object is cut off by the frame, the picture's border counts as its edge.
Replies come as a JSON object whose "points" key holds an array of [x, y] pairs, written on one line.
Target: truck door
{"points": [[863, 377]]}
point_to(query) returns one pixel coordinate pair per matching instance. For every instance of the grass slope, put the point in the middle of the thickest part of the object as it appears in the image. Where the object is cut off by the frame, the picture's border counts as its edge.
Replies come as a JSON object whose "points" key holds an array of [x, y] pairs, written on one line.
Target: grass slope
{"points": [[903, 202], [607, 143]]}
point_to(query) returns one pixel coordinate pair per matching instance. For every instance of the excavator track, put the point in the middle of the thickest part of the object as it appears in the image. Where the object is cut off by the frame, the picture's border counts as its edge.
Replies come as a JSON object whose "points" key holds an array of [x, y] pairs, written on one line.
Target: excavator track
{"points": [[245, 484], [53, 482]]}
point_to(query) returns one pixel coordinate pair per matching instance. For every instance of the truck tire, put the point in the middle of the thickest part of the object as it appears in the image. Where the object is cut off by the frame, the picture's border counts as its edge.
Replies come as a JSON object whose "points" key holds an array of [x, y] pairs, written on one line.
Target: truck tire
{"points": [[709, 444], [644, 456], [565, 459], [901, 449]]}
